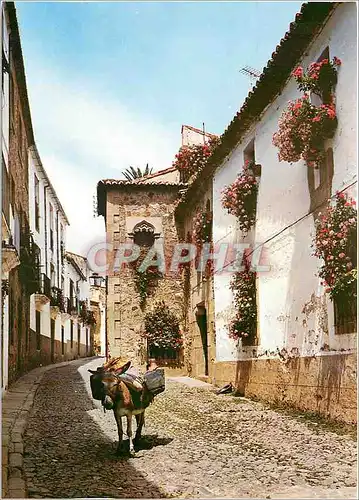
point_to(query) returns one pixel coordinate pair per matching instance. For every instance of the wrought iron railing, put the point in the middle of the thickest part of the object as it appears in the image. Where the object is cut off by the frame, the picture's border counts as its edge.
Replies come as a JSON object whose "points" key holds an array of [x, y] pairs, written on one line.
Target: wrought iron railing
{"points": [[45, 285], [57, 298]]}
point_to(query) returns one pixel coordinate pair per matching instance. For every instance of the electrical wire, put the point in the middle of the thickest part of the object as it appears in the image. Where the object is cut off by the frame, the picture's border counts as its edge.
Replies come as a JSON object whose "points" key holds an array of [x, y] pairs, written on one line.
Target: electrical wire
{"points": [[289, 226]]}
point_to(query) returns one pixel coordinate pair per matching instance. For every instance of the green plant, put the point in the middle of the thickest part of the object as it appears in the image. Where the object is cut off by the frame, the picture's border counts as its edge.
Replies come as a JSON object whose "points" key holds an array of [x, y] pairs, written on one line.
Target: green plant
{"points": [[192, 159], [335, 244], [244, 324], [145, 280], [132, 173], [303, 128], [29, 268], [162, 328], [320, 77], [240, 197]]}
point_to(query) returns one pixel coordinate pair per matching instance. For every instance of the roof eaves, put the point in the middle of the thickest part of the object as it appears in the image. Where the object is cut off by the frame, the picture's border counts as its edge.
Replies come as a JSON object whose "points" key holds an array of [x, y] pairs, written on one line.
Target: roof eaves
{"points": [[35, 152], [19, 69], [106, 184], [273, 78]]}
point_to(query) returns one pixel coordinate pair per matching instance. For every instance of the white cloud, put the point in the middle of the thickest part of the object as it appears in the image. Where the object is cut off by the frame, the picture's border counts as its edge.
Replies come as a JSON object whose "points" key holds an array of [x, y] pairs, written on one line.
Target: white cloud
{"points": [[82, 137]]}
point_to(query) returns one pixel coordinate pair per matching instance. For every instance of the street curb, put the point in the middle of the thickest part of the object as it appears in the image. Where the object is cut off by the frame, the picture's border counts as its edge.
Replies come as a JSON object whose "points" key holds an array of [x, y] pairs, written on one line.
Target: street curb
{"points": [[17, 402]]}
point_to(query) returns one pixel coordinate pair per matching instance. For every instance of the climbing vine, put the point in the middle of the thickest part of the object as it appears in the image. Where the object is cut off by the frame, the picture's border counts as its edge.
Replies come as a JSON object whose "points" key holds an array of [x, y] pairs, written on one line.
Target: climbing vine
{"points": [[145, 280]]}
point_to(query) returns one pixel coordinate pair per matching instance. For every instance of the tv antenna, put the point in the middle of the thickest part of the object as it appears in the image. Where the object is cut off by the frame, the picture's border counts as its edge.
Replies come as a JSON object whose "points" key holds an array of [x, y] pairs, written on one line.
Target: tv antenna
{"points": [[252, 73]]}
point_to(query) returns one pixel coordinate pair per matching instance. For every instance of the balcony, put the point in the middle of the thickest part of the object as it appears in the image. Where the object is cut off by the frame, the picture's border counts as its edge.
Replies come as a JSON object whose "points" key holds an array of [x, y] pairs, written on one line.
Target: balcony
{"points": [[43, 295], [29, 269], [10, 257], [74, 306], [57, 299], [87, 316]]}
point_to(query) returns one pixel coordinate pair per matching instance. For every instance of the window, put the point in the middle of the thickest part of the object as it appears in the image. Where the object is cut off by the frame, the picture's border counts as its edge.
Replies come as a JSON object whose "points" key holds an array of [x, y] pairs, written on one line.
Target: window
{"points": [[51, 227], [37, 203], [5, 193], [249, 156], [11, 317], [71, 290], [52, 275], [248, 153], [345, 309], [314, 98], [78, 338], [71, 333], [62, 244], [320, 181], [38, 330], [62, 340], [144, 234]]}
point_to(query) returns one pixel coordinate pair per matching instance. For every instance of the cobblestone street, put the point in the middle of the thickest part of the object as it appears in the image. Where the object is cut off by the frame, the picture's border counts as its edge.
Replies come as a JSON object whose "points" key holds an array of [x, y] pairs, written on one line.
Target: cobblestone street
{"points": [[196, 444]]}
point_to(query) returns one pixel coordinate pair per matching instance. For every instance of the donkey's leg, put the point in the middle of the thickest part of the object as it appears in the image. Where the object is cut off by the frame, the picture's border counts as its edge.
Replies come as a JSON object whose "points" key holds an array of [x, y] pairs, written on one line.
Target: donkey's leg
{"points": [[129, 431], [119, 429], [140, 418]]}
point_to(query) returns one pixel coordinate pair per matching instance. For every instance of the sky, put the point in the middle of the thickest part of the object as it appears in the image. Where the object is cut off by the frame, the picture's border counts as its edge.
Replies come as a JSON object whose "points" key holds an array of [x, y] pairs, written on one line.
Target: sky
{"points": [[111, 83]]}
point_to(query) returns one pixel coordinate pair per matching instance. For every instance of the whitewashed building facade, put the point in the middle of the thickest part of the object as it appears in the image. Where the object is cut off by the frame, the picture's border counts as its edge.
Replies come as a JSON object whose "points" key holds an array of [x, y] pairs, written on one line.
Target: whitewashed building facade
{"points": [[58, 328], [299, 357]]}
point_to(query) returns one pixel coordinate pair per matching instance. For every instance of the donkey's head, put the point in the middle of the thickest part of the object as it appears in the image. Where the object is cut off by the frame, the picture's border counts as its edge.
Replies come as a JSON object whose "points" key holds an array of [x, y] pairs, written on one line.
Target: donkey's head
{"points": [[104, 385]]}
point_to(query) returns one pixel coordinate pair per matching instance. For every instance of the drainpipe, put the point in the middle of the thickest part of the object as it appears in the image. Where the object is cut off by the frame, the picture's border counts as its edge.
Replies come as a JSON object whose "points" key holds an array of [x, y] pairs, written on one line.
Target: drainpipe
{"points": [[106, 325], [45, 228]]}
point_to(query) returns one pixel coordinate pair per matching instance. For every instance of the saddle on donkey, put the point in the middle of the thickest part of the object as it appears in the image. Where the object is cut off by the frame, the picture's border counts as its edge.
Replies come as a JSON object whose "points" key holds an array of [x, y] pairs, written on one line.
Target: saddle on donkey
{"points": [[153, 380]]}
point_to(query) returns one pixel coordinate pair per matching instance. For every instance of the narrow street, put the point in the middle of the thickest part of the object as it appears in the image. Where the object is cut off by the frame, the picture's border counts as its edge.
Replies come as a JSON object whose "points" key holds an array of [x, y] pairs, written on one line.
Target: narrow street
{"points": [[195, 444]]}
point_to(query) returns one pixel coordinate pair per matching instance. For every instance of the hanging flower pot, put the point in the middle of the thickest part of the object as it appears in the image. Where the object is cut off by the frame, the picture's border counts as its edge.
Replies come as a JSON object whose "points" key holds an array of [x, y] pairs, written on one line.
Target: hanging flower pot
{"points": [[303, 128], [240, 197], [192, 159], [335, 244], [243, 326], [320, 78]]}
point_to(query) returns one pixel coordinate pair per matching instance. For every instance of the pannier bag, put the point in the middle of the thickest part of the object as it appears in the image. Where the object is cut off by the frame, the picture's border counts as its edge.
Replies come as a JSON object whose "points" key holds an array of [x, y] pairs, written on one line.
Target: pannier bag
{"points": [[155, 381], [96, 388], [133, 381]]}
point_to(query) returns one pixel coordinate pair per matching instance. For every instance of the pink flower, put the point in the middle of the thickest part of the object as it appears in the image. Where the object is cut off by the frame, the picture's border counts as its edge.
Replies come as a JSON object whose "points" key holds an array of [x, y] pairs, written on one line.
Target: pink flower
{"points": [[341, 255], [298, 72], [337, 61]]}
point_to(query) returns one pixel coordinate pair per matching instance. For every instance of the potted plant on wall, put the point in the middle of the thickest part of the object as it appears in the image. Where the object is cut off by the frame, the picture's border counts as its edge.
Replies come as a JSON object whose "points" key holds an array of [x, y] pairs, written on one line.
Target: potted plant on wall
{"points": [[240, 197], [162, 332], [303, 126], [335, 244]]}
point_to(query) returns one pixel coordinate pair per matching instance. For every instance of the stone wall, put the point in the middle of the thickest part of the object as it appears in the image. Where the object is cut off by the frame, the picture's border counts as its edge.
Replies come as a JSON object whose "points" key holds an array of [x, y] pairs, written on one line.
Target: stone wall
{"points": [[322, 384], [124, 315], [19, 301]]}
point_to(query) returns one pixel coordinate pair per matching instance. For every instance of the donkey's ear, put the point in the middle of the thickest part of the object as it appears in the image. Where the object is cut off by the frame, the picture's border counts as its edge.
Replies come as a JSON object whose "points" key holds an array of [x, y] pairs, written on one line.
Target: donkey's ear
{"points": [[124, 368], [92, 371]]}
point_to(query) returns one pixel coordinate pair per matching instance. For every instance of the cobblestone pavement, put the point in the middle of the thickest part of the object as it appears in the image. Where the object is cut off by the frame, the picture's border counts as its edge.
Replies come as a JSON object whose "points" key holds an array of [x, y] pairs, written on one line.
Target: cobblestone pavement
{"points": [[196, 444]]}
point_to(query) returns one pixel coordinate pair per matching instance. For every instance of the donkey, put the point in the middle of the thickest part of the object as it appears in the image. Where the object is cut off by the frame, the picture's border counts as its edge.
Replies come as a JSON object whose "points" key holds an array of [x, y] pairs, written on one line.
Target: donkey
{"points": [[124, 400]]}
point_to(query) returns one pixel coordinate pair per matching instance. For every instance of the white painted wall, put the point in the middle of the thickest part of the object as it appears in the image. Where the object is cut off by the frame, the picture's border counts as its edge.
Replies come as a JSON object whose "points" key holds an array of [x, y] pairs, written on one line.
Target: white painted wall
{"points": [[42, 235], [283, 199], [190, 136]]}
